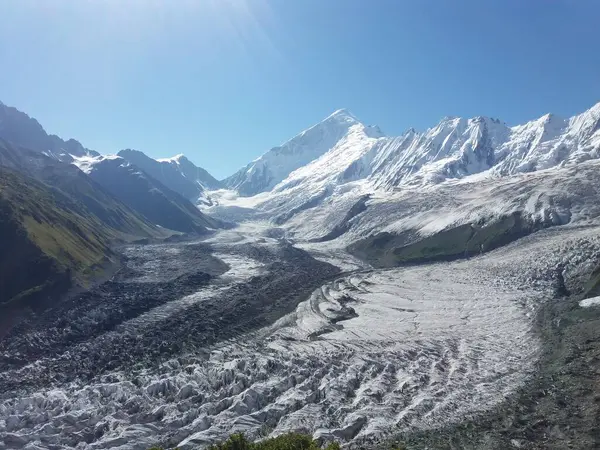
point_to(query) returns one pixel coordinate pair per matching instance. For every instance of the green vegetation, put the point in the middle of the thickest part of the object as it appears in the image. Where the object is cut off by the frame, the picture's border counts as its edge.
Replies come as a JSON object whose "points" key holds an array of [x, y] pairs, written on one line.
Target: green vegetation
{"points": [[49, 240], [79, 187], [289, 441]]}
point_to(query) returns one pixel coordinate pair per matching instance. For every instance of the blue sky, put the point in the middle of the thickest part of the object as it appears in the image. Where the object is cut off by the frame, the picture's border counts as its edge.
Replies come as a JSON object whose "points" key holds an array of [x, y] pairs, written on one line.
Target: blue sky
{"points": [[225, 80]]}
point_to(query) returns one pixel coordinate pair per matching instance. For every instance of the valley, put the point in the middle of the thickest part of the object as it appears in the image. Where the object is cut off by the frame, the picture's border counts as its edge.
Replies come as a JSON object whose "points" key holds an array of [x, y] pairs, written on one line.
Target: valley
{"points": [[243, 332], [422, 289]]}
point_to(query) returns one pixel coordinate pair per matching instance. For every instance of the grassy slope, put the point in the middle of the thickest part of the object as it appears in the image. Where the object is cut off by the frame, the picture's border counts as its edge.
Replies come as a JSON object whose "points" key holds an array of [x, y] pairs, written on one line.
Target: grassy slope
{"points": [[289, 441], [77, 185], [47, 238]]}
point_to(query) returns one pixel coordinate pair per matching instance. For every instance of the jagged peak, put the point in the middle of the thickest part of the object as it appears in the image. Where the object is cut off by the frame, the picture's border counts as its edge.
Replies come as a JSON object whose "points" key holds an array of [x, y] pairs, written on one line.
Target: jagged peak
{"points": [[450, 118], [591, 113], [488, 121], [130, 151], [588, 121], [177, 158], [342, 114], [346, 118], [549, 118], [341, 118], [448, 122], [595, 109]]}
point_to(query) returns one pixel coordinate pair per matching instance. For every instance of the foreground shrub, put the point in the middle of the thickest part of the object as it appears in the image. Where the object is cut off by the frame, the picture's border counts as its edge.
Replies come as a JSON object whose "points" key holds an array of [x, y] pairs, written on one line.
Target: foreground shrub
{"points": [[291, 441]]}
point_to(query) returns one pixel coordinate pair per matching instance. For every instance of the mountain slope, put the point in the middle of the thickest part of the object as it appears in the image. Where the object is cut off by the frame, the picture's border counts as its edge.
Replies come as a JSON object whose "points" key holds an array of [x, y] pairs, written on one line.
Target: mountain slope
{"points": [[48, 240], [80, 187], [192, 172], [20, 129], [178, 174], [362, 162], [454, 148], [120, 182], [138, 190], [274, 166], [457, 148]]}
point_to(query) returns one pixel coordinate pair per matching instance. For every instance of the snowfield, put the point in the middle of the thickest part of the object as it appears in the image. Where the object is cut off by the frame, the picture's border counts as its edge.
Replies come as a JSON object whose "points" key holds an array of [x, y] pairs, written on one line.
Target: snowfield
{"points": [[457, 172]]}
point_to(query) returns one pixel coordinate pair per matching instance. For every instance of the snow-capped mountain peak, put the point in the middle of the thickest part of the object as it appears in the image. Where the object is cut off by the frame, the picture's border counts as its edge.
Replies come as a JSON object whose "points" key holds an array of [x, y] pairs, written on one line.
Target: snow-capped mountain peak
{"points": [[177, 173], [341, 115], [176, 159], [587, 123], [265, 172]]}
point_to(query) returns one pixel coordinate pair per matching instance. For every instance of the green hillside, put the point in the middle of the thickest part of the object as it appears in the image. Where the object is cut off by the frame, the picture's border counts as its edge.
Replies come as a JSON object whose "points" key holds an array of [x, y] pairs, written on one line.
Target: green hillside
{"points": [[79, 187], [48, 240]]}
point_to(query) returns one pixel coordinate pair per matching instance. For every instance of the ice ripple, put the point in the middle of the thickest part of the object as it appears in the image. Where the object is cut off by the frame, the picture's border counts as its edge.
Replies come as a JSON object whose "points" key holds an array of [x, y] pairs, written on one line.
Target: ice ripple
{"points": [[366, 355]]}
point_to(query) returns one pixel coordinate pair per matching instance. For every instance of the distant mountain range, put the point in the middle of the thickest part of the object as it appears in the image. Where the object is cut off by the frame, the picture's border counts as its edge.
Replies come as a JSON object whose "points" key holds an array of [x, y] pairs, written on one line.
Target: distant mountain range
{"points": [[159, 191], [338, 180], [458, 188], [341, 149], [59, 222], [178, 173]]}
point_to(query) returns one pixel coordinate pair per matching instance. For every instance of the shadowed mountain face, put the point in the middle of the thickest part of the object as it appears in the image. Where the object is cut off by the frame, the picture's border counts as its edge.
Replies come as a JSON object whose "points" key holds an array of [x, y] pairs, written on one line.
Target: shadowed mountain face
{"points": [[80, 187], [20, 129], [178, 174], [121, 193], [49, 240], [57, 227], [149, 197], [58, 223]]}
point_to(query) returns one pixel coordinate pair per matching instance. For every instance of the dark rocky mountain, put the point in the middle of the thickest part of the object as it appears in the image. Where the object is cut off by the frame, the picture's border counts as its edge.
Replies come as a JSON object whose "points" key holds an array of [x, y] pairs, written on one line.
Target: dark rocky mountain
{"points": [[178, 174], [141, 192], [57, 222], [193, 172], [28, 148], [20, 129]]}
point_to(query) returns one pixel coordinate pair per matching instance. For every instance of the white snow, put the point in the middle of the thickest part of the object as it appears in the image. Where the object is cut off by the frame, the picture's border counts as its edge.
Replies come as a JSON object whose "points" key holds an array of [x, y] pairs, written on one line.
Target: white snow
{"points": [[274, 166], [593, 301], [375, 351], [319, 175], [421, 347], [86, 163], [173, 159]]}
